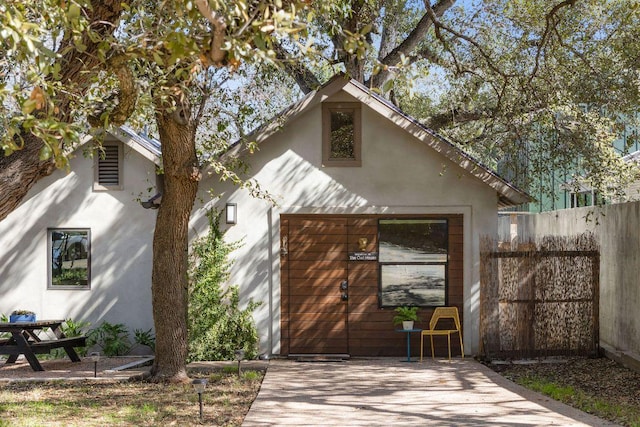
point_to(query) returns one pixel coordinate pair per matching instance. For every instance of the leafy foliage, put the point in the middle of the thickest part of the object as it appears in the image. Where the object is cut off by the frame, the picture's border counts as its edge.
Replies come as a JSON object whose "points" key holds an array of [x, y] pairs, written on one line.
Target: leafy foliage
{"points": [[405, 314], [113, 339], [144, 338], [217, 326], [71, 328]]}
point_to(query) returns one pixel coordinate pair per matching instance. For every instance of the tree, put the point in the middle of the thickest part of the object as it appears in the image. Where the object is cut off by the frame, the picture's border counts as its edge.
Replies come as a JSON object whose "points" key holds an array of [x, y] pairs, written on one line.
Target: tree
{"points": [[183, 69], [50, 56], [520, 84], [86, 66]]}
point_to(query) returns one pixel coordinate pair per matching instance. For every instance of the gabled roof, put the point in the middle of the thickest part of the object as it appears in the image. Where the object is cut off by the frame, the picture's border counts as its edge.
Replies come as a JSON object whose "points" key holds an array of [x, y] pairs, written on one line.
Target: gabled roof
{"points": [[150, 148], [508, 194], [632, 157]]}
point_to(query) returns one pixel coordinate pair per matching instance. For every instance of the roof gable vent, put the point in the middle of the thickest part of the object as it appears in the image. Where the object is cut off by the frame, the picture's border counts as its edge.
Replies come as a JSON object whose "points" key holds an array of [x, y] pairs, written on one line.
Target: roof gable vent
{"points": [[108, 167]]}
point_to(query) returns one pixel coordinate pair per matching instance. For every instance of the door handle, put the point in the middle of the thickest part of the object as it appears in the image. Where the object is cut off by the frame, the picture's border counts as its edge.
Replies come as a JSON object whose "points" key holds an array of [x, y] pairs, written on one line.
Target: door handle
{"points": [[344, 296], [344, 285]]}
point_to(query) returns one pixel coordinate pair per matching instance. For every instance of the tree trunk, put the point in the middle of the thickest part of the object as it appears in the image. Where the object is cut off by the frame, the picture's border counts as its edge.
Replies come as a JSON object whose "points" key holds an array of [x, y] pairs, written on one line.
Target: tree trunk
{"points": [[170, 244], [19, 172]]}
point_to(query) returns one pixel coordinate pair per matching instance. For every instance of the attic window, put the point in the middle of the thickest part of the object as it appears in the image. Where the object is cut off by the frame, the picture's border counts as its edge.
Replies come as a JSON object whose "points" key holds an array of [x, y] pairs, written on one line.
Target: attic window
{"points": [[341, 134], [108, 167]]}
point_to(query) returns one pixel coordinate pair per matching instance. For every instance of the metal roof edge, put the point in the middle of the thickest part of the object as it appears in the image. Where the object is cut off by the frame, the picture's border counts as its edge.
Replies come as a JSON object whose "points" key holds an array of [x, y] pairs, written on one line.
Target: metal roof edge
{"points": [[441, 145], [510, 195], [150, 148]]}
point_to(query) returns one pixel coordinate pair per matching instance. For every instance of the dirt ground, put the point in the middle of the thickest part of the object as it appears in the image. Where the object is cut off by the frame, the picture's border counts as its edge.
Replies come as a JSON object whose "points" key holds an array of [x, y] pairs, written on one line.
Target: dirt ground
{"points": [[600, 378], [66, 369], [66, 394]]}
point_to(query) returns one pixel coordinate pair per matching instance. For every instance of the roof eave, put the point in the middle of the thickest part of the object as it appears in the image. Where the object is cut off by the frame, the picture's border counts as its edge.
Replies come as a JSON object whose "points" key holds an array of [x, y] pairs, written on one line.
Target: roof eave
{"points": [[509, 195], [143, 146]]}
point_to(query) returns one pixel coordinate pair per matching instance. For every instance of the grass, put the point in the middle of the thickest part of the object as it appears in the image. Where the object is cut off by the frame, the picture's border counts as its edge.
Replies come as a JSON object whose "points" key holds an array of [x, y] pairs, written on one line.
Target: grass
{"points": [[600, 406], [226, 400]]}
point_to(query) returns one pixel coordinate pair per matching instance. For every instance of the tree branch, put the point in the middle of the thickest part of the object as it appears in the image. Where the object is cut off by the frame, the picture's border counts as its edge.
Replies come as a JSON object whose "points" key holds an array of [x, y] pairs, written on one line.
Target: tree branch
{"points": [[216, 54], [22, 169], [410, 43], [304, 77], [548, 29]]}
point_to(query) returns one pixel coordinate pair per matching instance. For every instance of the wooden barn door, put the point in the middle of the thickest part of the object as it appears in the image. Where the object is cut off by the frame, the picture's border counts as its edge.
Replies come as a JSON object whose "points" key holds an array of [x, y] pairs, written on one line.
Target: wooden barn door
{"points": [[315, 288]]}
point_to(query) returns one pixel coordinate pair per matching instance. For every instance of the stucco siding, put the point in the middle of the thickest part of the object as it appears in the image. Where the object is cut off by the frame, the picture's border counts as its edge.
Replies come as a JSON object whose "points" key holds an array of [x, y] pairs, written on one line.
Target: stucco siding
{"points": [[121, 237], [399, 175]]}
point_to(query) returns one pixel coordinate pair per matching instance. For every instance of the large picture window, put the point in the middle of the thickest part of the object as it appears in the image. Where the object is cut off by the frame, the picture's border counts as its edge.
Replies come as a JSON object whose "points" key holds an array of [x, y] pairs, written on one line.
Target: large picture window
{"points": [[69, 258], [413, 257]]}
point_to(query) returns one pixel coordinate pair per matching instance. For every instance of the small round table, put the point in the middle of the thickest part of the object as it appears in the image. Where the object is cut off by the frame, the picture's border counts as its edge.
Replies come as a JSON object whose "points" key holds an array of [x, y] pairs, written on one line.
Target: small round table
{"points": [[408, 332]]}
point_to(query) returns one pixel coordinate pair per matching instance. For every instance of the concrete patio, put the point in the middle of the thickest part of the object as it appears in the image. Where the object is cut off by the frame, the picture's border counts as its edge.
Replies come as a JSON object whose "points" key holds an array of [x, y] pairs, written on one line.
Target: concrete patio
{"points": [[377, 392]]}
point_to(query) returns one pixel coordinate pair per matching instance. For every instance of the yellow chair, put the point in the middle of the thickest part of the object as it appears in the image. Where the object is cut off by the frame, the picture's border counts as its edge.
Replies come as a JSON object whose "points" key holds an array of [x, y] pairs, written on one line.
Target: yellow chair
{"points": [[438, 314]]}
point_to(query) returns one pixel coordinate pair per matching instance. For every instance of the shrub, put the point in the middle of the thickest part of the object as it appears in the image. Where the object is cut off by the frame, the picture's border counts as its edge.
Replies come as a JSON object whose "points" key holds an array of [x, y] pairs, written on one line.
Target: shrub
{"points": [[217, 326], [145, 338], [113, 339], [71, 328]]}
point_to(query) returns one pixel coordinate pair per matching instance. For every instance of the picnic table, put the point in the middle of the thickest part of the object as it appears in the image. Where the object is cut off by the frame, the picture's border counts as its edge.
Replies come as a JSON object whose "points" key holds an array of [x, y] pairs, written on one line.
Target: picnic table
{"points": [[25, 339]]}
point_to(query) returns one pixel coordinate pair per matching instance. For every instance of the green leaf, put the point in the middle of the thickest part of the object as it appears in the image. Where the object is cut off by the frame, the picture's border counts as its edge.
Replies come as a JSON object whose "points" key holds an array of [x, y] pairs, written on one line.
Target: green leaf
{"points": [[387, 86], [73, 12], [28, 106], [45, 152], [158, 58]]}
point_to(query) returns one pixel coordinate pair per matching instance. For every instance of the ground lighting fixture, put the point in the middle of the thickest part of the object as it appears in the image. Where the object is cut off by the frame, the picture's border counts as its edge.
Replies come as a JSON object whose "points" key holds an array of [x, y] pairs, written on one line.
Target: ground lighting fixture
{"points": [[199, 385], [239, 356], [95, 357]]}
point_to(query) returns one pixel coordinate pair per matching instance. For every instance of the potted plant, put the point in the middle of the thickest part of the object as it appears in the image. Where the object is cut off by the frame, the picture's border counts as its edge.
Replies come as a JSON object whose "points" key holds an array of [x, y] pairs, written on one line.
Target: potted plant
{"points": [[22, 316], [406, 316]]}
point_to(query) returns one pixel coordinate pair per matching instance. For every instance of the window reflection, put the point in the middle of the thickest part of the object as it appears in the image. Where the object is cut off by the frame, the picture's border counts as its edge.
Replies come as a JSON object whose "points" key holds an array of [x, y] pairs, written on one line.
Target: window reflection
{"points": [[413, 255], [342, 135], [70, 258]]}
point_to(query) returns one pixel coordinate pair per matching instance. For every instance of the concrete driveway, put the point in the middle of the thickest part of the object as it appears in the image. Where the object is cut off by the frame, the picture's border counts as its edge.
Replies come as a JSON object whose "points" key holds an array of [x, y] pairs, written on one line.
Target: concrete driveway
{"points": [[385, 392]]}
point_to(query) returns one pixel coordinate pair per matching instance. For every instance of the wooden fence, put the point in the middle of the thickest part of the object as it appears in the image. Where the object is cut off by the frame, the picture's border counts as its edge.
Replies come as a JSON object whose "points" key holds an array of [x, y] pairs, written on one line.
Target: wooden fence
{"points": [[539, 299]]}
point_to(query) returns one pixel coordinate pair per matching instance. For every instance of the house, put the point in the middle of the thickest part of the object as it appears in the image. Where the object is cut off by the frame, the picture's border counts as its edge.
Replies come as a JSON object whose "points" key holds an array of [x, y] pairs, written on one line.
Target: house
{"points": [[79, 244], [559, 189], [373, 211], [632, 192]]}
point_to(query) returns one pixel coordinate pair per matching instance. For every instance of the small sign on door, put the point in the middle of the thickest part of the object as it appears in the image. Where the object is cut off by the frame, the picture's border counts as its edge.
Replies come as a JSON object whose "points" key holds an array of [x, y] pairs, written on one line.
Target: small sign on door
{"points": [[363, 256]]}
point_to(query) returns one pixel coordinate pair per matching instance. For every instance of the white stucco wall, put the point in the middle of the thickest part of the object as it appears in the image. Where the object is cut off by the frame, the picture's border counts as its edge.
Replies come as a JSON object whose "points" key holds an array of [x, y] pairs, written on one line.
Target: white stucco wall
{"points": [[399, 174], [121, 237]]}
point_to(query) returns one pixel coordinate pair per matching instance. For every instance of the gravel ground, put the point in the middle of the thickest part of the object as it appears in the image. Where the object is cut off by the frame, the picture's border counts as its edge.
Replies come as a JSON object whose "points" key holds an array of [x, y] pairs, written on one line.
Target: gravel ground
{"points": [[599, 378], [65, 369]]}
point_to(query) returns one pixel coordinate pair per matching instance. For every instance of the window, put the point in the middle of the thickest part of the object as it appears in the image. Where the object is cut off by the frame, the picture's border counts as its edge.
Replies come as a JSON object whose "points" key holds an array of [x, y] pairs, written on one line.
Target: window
{"points": [[341, 134], [413, 258], [69, 258], [108, 167], [586, 198]]}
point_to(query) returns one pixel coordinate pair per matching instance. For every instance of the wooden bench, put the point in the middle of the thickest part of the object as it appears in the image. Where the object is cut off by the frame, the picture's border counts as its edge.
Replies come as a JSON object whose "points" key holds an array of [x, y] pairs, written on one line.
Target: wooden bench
{"points": [[48, 345], [44, 347], [25, 340]]}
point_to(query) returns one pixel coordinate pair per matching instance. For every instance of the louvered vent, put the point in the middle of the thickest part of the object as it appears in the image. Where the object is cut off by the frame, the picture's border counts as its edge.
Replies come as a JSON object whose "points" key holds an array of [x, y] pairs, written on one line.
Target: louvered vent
{"points": [[108, 170]]}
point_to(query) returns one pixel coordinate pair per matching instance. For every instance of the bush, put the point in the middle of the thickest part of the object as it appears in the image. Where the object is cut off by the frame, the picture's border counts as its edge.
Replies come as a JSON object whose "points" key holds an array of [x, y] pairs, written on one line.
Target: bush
{"points": [[216, 324], [145, 338], [71, 328], [113, 339]]}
